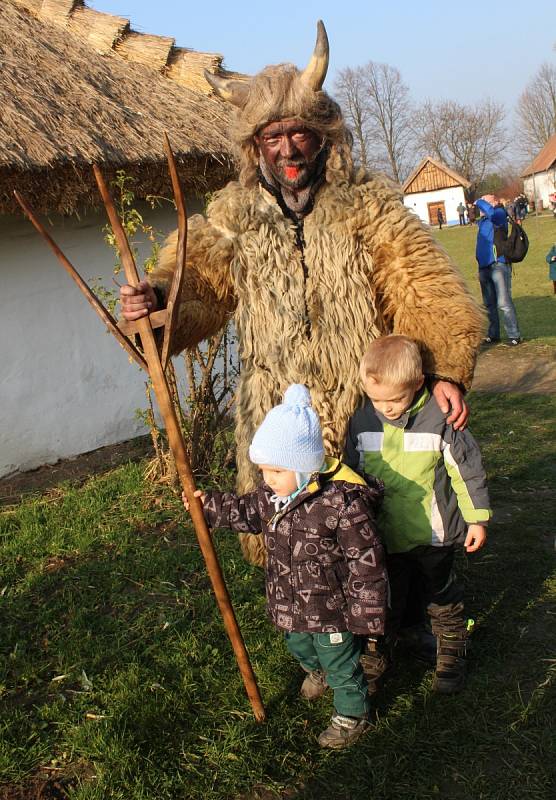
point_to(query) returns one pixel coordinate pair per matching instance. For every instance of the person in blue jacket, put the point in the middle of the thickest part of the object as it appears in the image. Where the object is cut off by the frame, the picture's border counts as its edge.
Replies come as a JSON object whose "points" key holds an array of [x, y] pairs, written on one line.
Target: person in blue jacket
{"points": [[495, 271], [551, 261]]}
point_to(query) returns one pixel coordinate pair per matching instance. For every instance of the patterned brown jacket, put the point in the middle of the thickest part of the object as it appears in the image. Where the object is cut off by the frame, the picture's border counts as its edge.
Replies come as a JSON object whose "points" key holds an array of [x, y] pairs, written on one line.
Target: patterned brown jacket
{"points": [[325, 569]]}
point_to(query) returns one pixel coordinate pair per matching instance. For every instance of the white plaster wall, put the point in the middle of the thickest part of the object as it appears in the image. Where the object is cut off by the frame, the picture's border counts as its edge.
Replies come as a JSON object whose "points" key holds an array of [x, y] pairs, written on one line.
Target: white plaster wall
{"points": [[543, 185], [452, 197], [67, 385]]}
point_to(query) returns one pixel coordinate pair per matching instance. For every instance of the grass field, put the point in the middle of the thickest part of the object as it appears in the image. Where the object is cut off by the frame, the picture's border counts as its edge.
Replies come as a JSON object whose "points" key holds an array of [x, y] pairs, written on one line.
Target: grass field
{"points": [[117, 681], [533, 293]]}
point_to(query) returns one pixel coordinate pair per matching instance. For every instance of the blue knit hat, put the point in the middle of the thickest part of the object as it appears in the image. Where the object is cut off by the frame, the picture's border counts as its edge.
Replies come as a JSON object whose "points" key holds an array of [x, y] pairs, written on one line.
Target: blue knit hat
{"points": [[290, 435]]}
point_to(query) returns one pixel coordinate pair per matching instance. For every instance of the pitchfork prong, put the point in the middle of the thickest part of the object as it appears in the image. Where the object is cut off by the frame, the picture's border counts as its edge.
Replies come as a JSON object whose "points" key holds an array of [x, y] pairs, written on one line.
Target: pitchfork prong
{"points": [[103, 312], [122, 243], [177, 278]]}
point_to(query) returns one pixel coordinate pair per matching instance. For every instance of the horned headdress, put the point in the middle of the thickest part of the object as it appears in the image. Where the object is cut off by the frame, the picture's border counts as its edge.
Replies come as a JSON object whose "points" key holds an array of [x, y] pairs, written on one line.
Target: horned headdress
{"points": [[281, 92]]}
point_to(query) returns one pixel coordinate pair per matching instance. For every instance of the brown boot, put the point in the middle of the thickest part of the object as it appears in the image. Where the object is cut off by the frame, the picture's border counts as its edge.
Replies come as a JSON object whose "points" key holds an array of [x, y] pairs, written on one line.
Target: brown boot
{"points": [[376, 660], [449, 626], [449, 676]]}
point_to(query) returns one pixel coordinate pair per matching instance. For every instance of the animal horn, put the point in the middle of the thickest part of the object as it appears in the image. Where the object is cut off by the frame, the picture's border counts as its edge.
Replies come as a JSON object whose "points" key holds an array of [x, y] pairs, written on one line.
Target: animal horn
{"points": [[315, 72], [233, 91]]}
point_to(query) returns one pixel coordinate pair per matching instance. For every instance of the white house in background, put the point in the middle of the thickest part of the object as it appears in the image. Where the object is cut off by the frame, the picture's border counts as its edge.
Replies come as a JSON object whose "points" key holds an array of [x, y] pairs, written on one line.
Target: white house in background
{"points": [[539, 179], [79, 87], [433, 186]]}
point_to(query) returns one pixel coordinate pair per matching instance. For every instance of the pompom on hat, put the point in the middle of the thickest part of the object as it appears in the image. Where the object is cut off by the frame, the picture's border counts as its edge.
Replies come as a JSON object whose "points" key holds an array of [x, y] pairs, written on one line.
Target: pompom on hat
{"points": [[290, 435]]}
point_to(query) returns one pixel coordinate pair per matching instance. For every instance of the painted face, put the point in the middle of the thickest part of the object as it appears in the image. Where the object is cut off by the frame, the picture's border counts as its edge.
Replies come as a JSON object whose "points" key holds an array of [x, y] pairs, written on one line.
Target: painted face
{"points": [[281, 481], [289, 150], [392, 400]]}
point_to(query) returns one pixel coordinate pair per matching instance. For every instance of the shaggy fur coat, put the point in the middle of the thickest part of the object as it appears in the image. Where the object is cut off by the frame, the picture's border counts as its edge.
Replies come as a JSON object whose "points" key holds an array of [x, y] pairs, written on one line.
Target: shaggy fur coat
{"points": [[305, 311]]}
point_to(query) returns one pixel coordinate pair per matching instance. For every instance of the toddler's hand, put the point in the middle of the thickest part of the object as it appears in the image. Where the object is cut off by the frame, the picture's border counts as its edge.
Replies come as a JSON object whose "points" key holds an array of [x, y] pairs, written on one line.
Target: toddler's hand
{"points": [[198, 493], [475, 539]]}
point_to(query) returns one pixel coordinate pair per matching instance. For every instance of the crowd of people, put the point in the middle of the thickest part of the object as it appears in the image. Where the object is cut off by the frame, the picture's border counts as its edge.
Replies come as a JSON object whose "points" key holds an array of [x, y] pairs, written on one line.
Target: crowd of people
{"points": [[517, 209]]}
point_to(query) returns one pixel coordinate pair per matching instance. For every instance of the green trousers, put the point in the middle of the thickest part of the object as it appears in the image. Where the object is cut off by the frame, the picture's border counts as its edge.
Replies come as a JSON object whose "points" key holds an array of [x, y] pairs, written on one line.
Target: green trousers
{"points": [[337, 655]]}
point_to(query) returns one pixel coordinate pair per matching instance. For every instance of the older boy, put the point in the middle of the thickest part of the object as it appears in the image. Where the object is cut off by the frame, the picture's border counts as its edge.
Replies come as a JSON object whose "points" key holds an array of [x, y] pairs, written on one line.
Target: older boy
{"points": [[435, 498]]}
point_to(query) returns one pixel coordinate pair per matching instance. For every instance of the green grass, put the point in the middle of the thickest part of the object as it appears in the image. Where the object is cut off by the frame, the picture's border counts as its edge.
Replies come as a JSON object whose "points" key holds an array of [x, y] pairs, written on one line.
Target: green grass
{"points": [[105, 610], [533, 293]]}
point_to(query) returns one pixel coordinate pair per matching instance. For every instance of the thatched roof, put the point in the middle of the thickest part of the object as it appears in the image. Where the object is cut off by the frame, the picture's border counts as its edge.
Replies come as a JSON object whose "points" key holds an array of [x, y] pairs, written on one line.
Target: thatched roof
{"points": [[79, 87]]}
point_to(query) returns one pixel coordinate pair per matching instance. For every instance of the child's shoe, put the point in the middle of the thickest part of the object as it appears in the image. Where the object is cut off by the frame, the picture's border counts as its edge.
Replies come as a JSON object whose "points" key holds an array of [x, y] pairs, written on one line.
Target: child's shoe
{"points": [[449, 676], [451, 629], [343, 731], [376, 660], [314, 685]]}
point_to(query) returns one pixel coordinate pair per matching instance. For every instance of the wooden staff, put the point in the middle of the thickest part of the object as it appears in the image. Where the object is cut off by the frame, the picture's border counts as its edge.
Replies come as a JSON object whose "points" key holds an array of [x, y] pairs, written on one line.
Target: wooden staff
{"points": [[154, 364]]}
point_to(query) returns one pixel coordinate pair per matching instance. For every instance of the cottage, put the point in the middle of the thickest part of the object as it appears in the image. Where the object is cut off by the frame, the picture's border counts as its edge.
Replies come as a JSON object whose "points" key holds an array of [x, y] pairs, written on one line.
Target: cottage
{"points": [[79, 87], [539, 178], [433, 186]]}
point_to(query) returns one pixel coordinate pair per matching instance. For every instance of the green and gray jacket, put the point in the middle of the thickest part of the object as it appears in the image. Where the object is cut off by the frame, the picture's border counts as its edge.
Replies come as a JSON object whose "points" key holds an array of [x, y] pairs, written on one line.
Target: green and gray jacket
{"points": [[434, 477]]}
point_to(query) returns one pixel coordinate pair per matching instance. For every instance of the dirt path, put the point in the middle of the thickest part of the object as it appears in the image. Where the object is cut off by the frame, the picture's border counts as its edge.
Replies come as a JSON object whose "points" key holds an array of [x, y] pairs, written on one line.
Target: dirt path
{"points": [[526, 369]]}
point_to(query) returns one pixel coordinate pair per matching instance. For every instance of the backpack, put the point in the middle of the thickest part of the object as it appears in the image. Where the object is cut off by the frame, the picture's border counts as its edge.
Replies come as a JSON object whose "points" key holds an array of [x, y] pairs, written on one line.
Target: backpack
{"points": [[516, 245]]}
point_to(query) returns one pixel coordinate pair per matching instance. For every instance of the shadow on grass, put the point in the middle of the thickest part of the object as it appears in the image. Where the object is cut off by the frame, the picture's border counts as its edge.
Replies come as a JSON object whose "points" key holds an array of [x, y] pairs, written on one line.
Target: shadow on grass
{"points": [[537, 315]]}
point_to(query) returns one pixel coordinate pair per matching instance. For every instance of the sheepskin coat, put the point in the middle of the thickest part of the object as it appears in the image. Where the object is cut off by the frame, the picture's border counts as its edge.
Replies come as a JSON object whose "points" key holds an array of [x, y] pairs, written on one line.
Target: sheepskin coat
{"points": [[325, 569], [307, 299]]}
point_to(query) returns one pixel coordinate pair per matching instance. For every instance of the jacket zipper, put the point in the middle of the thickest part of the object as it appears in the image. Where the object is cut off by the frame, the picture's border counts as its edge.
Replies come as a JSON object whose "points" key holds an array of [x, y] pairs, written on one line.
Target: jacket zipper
{"points": [[300, 241]]}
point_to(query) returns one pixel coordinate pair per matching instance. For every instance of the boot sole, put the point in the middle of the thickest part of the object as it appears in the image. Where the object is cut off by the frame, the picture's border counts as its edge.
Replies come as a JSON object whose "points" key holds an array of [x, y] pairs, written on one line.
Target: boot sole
{"points": [[447, 688]]}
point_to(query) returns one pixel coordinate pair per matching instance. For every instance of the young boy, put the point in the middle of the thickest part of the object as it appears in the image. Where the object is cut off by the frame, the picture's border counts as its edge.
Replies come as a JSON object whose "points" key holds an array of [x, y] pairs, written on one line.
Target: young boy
{"points": [[435, 498], [325, 573]]}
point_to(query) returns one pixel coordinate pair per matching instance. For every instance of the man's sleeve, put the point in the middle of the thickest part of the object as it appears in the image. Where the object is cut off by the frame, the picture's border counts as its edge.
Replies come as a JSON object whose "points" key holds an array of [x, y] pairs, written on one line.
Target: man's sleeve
{"points": [[420, 292], [485, 207], [207, 297], [464, 465]]}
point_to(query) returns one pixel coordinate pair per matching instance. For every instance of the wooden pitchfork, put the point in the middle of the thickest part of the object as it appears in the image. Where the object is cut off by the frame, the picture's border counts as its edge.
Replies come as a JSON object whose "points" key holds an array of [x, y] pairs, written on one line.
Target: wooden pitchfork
{"points": [[154, 364]]}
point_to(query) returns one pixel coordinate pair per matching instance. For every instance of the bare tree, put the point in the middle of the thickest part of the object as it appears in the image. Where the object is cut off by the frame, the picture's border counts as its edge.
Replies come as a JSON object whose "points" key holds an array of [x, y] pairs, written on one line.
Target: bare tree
{"points": [[376, 104], [470, 139], [351, 96], [536, 109]]}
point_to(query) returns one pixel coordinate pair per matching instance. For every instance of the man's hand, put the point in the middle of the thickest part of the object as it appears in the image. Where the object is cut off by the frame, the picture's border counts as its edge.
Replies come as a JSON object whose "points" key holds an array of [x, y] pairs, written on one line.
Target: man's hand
{"points": [[198, 493], [137, 301], [475, 539], [450, 397]]}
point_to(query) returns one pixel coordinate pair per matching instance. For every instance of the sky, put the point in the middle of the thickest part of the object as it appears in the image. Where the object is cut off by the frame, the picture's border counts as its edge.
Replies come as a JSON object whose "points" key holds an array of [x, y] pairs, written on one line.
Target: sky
{"points": [[464, 51]]}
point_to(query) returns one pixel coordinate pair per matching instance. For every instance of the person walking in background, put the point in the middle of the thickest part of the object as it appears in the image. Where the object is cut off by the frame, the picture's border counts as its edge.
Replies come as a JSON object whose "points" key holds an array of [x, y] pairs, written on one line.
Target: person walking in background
{"points": [[520, 208], [495, 271], [551, 261], [461, 213], [440, 218]]}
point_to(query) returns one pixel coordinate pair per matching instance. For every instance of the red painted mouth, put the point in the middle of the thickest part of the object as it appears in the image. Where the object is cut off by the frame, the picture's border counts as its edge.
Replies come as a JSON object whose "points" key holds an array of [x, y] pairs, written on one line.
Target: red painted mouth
{"points": [[291, 172]]}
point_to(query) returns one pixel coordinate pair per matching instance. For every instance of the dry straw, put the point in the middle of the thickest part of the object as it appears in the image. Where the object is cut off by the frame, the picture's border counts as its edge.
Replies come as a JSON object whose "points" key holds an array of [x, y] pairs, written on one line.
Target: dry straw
{"points": [[79, 87]]}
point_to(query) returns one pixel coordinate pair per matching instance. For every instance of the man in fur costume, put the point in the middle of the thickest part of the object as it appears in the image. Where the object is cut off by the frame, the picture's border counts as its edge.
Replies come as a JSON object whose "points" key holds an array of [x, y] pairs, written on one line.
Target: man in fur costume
{"points": [[312, 260]]}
